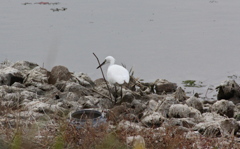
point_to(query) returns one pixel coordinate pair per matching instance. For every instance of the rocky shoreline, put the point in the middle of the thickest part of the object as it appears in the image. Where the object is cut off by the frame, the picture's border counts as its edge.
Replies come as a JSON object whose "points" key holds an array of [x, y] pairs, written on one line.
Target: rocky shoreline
{"points": [[32, 93]]}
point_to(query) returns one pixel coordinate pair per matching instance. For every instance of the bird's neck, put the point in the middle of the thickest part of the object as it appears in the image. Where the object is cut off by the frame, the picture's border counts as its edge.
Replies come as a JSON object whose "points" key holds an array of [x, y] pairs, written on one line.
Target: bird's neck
{"points": [[111, 63]]}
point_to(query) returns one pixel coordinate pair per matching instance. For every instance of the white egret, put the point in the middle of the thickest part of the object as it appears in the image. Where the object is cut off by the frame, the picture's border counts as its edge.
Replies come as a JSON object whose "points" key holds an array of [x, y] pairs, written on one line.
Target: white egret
{"points": [[116, 74]]}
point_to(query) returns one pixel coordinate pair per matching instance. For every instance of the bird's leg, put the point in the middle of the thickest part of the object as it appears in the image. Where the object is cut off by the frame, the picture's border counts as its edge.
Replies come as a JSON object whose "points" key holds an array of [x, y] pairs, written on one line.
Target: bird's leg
{"points": [[121, 93], [115, 93]]}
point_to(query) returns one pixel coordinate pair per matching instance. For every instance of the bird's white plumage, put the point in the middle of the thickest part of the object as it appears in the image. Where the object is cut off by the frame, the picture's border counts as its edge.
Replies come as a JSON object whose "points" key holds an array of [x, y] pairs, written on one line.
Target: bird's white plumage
{"points": [[116, 73]]}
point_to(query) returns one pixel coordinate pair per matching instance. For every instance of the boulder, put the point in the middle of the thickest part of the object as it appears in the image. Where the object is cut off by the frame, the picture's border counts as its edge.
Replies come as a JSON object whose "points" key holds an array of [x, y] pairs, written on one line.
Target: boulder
{"points": [[229, 89], [9, 76], [77, 89], [229, 127], [195, 103], [59, 73], [222, 127], [180, 94], [24, 66], [211, 116], [183, 111], [223, 107], [37, 77], [84, 79], [164, 106], [162, 85]]}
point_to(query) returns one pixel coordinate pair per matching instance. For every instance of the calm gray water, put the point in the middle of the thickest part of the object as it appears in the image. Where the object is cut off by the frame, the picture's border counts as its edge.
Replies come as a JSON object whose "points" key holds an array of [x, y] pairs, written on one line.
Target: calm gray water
{"points": [[174, 40]]}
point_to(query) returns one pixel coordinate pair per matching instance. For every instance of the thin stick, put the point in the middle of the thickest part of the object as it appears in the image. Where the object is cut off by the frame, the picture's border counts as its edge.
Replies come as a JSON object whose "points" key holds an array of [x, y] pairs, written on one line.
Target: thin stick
{"points": [[103, 76], [101, 94]]}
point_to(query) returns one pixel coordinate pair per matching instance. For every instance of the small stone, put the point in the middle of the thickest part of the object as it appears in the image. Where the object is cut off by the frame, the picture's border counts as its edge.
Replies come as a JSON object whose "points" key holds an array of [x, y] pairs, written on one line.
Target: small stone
{"points": [[152, 118], [127, 125]]}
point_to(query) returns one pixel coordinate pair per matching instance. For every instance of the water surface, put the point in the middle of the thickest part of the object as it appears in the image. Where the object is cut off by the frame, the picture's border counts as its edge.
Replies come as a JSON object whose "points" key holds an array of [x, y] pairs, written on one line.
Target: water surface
{"points": [[168, 39]]}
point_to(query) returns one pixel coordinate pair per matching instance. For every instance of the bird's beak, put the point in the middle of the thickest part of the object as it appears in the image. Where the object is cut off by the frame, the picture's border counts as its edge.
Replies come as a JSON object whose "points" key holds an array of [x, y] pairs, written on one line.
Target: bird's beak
{"points": [[101, 64]]}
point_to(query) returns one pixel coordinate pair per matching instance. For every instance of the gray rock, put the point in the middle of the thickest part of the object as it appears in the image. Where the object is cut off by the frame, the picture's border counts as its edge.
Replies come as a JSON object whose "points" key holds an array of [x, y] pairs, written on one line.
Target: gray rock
{"points": [[152, 105], [70, 96], [152, 118], [35, 89], [195, 103], [164, 106], [211, 117], [180, 94], [222, 127], [99, 82], [209, 129], [138, 106], [183, 111], [27, 95], [18, 85], [229, 127], [24, 66], [4, 79], [59, 73], [127, 125], [162, 85], [70, 105], [37, 77], [90, 101], [184, 122], [223, 107], [41, 107], [128, 96], [84, 79], [60, 85], [77, 89], [105, 103], [228, 89], [10, 75]]}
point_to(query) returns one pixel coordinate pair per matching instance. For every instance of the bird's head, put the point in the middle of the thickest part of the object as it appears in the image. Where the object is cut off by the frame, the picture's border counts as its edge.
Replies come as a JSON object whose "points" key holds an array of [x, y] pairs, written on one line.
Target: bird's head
{"points": [[108, 59]]}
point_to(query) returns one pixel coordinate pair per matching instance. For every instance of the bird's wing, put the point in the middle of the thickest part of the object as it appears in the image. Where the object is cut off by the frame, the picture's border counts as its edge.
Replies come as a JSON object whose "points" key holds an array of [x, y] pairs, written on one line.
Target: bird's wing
{"points": [[117, 74]]}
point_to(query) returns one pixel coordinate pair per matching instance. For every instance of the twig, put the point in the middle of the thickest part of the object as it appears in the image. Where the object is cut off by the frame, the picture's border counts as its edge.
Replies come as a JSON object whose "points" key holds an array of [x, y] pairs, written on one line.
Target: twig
{"points": [[101, 94], [103, 76]]}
